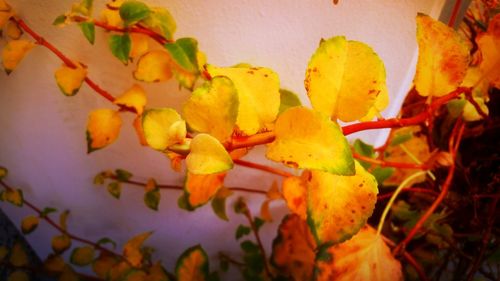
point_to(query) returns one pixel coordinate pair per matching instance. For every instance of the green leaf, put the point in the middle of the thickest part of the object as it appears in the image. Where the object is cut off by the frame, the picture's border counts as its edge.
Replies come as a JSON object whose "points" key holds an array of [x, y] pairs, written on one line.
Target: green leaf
{"points": [[401, 138], [82, 256], [123, 175], [29, 224], [88, 29], [183, 52], [133, 11], [288, 99], [219, 202], [162, 19], [240, 206], [3, 172], [224, 265], [99, 178], [242, 230], [363, 148], [258, 222], [106, 240], [46, 211], [83, 8], [59, 21], [249, 247], [120, 46], [152, 199], [115, 189], [192, 265], [183, 202], [381, 174]]}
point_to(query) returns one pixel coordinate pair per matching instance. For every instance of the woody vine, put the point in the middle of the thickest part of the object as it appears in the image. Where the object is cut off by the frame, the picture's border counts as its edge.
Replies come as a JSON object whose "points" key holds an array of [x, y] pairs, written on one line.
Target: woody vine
{"points": [[333, 230]]}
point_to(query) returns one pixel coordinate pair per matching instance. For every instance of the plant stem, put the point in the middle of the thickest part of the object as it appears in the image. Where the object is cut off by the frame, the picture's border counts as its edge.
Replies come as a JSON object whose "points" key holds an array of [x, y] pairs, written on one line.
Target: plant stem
{"points": [[262, 167], [383, 163], [391, 201]]}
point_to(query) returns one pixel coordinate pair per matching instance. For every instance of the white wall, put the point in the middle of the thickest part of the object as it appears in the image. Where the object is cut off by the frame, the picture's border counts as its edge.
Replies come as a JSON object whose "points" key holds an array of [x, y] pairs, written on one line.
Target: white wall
{"points": [[43, 132]]}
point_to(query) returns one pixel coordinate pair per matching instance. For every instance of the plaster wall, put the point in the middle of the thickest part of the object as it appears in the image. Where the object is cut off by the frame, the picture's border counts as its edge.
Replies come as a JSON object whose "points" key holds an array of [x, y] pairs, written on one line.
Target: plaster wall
{"points": [[42, 142]]}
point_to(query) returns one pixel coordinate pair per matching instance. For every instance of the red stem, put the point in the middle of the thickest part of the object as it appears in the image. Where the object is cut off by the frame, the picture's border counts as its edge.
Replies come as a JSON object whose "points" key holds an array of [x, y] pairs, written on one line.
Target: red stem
{"points": [[389, 164], [454, 13]]}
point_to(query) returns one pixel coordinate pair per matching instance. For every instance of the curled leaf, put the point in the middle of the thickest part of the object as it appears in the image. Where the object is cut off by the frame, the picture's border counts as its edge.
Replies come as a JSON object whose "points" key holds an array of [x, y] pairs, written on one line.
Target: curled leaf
{"points": [[213, 108], [103, 128], [163, 127], [207, 156], [132, 249], [134, 97], [258, 95], [70, 79], [443, 58], [344, 73], [310, 140], [14, 52]]}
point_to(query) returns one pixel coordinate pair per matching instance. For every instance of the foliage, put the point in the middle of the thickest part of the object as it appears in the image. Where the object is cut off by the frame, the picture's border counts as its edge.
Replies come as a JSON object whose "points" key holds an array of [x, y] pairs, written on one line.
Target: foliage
{"points": [[327, 235]]}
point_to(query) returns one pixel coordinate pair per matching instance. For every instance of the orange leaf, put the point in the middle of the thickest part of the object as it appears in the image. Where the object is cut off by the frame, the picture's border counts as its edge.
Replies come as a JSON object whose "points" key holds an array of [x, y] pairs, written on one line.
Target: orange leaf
{"points": [[134, 97], [14, 52], [295, 194], [103, 128], [201, 188], [154, 66], [489, 44]]}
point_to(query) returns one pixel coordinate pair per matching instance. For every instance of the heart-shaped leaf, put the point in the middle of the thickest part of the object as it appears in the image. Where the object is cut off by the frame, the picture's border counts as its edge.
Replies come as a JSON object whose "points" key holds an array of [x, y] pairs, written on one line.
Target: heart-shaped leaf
{"points": [[207, 156]]}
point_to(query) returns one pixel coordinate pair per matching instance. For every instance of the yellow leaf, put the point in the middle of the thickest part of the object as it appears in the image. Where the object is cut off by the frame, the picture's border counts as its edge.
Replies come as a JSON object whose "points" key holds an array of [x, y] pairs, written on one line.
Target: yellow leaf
{"points": [[14, 52], [293, 249], [13, 31], [139, 131], [295, 194], [154, 66], [344, 73], [213, 108], [103, 264], [265, 213], [63, 219], [380, 104], [82, 256], [70, 79], [111, 14], [157, 273], [201, 188], [29, 224], [417, 146], [258, 95], [443, 58], [175, 161], [338, 206], [18, 256], [207, 156], [134, 97], [307, 139], [13, 196], [470, 112], [4, 6], [163, 127], [363, 257], [54, 263], [103, 128], [61, 243], [18, 275], [140, 44], [132, 249], [192, 265], [489, 44]]}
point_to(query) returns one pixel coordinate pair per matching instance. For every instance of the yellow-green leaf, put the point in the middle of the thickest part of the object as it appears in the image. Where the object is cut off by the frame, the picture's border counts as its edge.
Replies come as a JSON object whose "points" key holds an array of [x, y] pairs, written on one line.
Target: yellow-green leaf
{"points": [[154, 66], [201, 188], [82, 256], [152, 195], [288, 99], [307, 139], [295, 194], [3, 172], [192, 265], [103, 128], [13, 196], [29, 224], [489, 44], [443, 58], [18, 256], [293, 249], [207, 156], [213, 108], [258, 95], [132, 249], [115, 189], [70, 79], [14, 52], [163, 127], [338, 206], [61, 243], [219, 202], [135, 97], [161, 21], [341, 74], [363, 257], [18, 275]]}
